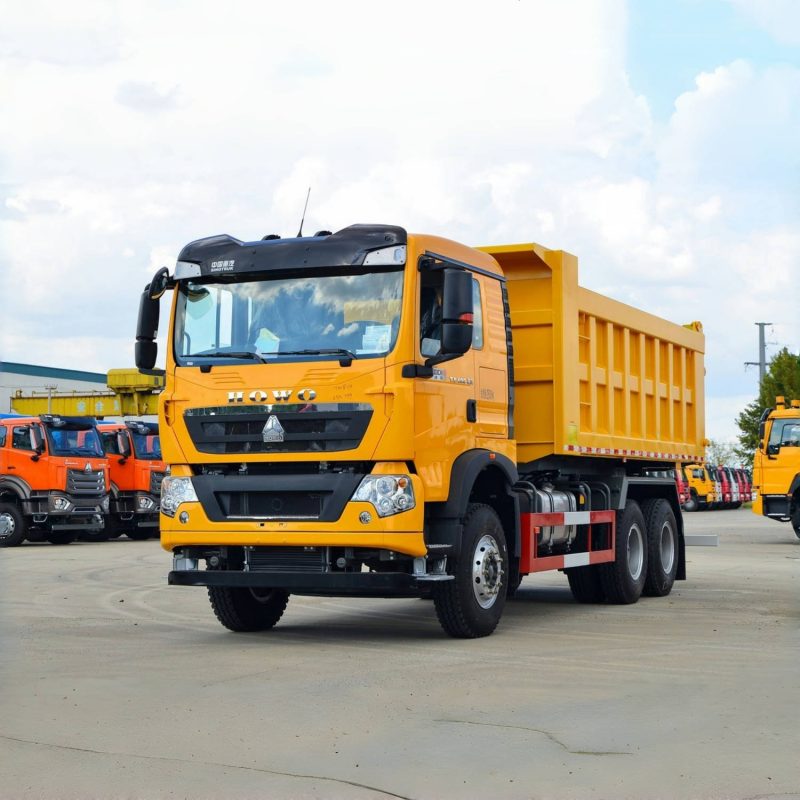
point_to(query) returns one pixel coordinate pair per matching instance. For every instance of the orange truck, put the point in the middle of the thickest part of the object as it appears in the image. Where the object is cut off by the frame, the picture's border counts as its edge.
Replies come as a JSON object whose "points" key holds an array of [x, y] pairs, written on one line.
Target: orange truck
{"points": [[53, 480], [133, 450], [378, 413]]}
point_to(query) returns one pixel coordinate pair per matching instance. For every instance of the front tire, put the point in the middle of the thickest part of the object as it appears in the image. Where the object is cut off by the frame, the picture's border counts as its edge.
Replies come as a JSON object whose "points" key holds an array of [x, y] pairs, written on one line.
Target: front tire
{"points": [[623, 579], [470, 606], [61, 537], [662, 547], [244, 610], [691, 504], [12, 525], [138, 534]]}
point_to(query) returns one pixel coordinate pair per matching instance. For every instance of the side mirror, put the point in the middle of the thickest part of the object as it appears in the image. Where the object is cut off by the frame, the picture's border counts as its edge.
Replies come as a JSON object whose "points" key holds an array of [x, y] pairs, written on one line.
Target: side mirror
{"points": [[457, 312], [773, 449], [37, 442], [147, 331], [159, 284], [123, 445]]}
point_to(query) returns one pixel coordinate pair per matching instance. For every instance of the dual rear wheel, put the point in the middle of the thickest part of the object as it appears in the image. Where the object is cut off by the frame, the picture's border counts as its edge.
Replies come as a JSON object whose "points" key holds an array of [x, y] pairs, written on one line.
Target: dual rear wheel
{"points": [[647, 549]]}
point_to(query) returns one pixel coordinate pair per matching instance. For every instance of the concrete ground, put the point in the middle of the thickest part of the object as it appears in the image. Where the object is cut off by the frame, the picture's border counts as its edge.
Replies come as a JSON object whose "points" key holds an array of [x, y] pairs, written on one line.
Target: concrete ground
{"points": [[114, 685]]}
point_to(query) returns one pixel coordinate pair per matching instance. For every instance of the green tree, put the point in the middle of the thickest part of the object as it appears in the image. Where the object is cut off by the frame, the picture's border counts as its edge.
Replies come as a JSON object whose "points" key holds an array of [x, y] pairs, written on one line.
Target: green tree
{"points": [[782, 378], [721, 453]]}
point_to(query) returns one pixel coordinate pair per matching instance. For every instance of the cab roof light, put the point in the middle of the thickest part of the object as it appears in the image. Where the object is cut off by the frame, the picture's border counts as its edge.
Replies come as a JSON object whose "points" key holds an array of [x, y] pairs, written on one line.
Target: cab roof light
{"points": [[795, 403], [780, 401]]}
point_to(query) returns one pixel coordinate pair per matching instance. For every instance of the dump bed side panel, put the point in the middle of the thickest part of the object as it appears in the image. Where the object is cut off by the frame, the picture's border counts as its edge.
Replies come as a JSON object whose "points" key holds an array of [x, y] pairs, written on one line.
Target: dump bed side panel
{"points": [[594, 376]]}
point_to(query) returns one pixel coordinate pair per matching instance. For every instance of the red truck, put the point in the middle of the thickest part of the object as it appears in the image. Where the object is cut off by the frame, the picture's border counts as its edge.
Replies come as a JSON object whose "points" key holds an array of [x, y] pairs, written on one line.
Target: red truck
{"points": [[53, 480], [133, 450]]}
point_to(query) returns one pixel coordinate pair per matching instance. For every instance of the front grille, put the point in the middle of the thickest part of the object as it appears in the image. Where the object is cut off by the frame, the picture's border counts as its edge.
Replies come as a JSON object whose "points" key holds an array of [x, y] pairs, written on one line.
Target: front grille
{"points": [[155, 482], [286, 559], [84, 483], [270, 505], [275, 497], [294, 428]]}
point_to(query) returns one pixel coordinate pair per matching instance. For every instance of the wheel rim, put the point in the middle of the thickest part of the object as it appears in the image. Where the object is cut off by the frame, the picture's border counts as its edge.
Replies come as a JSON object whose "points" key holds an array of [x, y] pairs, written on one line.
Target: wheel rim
{"points": [[635, 552], [7, 525], [487, 571], [667, 545], [261, 595]]}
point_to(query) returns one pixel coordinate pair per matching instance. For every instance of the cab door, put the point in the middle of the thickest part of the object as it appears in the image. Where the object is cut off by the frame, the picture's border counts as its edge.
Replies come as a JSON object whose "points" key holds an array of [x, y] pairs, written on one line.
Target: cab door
{"points": [[19, 458], [781, 462], [489, 348], [445, 404]]}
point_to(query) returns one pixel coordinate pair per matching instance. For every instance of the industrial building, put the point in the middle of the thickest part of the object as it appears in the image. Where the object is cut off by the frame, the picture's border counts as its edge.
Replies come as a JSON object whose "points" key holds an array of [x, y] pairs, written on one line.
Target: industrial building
{"points": [[33, 379]]}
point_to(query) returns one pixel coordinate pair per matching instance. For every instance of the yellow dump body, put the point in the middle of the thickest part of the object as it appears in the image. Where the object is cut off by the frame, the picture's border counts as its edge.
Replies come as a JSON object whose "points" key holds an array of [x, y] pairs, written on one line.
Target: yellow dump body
{"points": [[594, 376]]}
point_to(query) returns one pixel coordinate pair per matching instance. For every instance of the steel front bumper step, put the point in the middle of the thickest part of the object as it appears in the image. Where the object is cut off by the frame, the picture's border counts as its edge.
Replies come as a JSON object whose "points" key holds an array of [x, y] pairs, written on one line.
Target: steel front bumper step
{"points": [[377, 584]]}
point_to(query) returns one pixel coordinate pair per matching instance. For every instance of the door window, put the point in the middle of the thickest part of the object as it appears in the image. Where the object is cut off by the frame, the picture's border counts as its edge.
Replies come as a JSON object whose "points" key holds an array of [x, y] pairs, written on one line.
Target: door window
{"points": [[21, 438]]}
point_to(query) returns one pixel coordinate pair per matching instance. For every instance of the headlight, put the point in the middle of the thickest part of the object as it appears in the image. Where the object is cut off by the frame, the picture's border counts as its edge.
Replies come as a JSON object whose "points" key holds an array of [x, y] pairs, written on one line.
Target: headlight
{"points": [[104, 504], [145, 503], [388, 494], [175, 491], [58, 503]]}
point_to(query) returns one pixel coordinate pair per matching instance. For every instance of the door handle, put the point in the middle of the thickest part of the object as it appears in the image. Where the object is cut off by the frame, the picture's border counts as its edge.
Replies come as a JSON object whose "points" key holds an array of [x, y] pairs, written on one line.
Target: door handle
{"points": [[472, 411]]}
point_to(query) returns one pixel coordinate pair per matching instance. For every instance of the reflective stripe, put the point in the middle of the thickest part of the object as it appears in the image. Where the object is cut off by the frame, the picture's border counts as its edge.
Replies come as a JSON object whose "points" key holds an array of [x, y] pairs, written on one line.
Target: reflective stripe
{"points": [[576, 560]]}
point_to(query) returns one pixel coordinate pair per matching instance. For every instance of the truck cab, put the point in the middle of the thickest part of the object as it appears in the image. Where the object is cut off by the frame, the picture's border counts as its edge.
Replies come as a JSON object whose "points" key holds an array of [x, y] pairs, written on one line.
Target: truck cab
{"points": [[702, 491], [133, 449], [776, 466], [53, 480]]}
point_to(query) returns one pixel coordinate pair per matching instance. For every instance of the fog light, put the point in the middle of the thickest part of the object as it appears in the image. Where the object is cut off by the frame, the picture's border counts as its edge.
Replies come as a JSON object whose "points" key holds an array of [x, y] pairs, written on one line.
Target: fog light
{"points": [[184, 517], [365, 517], [59, 503]]}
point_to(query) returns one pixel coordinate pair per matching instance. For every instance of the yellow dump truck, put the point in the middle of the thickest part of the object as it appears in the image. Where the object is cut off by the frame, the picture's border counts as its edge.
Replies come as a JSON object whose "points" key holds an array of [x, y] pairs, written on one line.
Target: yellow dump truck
{"points": [[385, 414], [702, 489], [776, 466]]}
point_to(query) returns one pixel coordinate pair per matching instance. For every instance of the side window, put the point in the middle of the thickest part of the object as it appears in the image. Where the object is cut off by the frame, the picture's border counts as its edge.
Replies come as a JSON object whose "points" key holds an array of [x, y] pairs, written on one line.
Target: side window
{"points": [[477, 316], [110, 444], [430, 313], [21, 438], [3, 430]]}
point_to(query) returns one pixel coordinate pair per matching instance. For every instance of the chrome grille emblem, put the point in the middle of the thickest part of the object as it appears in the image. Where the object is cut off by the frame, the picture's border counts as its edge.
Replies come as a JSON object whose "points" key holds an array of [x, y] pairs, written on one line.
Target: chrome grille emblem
{"points": [[273, 430]]}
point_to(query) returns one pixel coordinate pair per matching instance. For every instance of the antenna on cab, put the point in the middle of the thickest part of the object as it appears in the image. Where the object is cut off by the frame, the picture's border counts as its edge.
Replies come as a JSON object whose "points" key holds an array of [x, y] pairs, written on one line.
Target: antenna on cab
{"points": [[303, 219]]}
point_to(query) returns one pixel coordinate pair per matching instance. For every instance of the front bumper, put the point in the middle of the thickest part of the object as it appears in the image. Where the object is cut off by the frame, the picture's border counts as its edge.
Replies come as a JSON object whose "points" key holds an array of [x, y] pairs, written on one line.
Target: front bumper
{"points": [[402, 533], [125, 506], [82, 513], [369, 584]]}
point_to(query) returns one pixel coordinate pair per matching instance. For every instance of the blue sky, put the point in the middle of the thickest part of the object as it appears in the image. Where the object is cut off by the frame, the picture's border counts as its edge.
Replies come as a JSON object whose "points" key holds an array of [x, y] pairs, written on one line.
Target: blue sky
{"points": [[655, 140], [670, 42]]}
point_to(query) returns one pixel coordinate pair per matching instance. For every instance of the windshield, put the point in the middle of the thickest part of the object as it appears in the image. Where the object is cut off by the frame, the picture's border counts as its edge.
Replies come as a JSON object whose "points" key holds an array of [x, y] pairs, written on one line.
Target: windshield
{"points": [[146, 446], [283, 319], [74, 442], [785, 433]]}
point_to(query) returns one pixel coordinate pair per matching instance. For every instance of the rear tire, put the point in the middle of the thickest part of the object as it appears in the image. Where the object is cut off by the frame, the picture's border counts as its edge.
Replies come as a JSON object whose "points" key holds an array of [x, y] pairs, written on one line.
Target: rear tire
{"points": [[470, 606], [623, 579], [585, 584], [244, 610], [662, 547], [96, 536], [61, 537], [12, 525]]}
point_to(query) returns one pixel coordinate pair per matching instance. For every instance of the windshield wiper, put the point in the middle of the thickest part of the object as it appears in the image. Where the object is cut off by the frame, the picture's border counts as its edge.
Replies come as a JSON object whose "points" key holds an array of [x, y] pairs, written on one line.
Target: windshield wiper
{"points": [[347, 356], [226, 354]]}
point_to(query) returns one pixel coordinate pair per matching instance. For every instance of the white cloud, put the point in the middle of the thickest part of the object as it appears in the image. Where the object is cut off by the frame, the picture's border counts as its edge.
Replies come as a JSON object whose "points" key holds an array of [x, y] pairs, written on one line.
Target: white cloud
{"points": [[780, 18]]}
